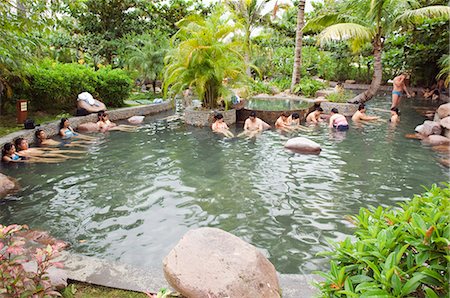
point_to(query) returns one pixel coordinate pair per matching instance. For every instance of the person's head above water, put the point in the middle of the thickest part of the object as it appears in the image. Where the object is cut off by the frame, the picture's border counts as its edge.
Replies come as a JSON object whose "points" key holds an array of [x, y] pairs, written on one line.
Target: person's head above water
{"points": [[64, 123], [361, 107], [334, 111], [252, 114], [319, 109], [395, 110], [295, 116], [8, 148], [285, 114], [218, 116], [40, 135], [21, 144]]}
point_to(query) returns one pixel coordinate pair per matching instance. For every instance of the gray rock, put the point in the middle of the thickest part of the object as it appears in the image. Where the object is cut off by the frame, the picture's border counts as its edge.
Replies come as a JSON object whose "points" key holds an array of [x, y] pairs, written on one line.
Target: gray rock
{"points": [[7, 185], [302, 145], [429, 128], [209, 262], [444, 110]]}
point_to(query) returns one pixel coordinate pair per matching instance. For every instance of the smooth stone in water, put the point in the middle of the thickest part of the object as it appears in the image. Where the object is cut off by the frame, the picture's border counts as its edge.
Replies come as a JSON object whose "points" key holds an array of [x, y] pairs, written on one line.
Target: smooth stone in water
{"points": [[445, 122], [435, 140], [444, 110], [302, 145], [136, 119], [429, 128], [7, 185], [209, 262]]}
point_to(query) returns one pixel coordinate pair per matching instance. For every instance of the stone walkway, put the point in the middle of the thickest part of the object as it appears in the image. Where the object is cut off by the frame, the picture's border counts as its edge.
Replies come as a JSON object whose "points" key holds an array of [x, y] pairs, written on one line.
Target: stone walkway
{"points": [[117, 275]]}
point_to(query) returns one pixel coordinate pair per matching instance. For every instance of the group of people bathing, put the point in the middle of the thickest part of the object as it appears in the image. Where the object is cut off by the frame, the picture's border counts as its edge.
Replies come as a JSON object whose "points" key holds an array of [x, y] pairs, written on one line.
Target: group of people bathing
{"points": [[289, 123], [49, 150]]}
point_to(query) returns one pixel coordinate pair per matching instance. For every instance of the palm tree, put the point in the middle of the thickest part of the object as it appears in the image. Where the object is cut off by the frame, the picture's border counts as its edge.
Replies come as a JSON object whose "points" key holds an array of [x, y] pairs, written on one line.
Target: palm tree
{"points": [[148, 59], [298, 45], [370, 21], [249, 14], [202, 57]]}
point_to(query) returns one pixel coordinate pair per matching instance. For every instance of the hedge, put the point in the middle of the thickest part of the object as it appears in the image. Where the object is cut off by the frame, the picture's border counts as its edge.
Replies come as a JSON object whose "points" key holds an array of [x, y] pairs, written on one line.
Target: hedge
{"points": [[55, 86]]}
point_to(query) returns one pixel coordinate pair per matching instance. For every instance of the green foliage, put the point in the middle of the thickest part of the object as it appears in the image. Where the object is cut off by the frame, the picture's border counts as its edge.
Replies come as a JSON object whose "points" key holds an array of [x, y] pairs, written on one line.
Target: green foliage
{"points": [[202, 58], [113, 86], [397, 252], [340, 97], [258, 87], [308, 87], [282, 83], [55, 86]]}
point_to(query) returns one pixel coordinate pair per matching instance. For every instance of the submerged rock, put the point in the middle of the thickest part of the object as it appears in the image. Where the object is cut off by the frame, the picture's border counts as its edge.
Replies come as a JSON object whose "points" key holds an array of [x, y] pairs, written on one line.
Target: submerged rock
{"points": [[209, 262], [302, 145], [8, 185]]}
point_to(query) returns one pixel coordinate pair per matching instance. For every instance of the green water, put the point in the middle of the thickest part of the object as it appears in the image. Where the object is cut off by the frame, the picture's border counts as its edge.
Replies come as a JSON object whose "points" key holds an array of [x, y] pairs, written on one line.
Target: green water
{"points": [[135, 194], [276, 105]]}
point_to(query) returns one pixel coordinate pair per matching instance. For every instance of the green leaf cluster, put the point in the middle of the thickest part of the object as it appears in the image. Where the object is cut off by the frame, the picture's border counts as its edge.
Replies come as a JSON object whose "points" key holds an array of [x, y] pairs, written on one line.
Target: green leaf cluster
{"points": [[55, 86], [308, 87], [396, 252]]}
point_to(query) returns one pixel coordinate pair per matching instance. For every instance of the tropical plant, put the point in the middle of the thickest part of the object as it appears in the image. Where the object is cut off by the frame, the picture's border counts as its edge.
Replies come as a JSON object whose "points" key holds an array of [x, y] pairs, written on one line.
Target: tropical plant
{"points": [[340, 97], [308, 87], [395, 252], [202, 57], [249, 14], [15, 281], [365, 21], [445, 69], [148, 59]]}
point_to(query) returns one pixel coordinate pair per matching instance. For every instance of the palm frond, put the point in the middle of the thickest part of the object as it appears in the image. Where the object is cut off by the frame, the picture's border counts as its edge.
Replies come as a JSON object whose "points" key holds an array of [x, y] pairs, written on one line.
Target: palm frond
{"points": [[345, 31], [319, 23], [417, 16]]}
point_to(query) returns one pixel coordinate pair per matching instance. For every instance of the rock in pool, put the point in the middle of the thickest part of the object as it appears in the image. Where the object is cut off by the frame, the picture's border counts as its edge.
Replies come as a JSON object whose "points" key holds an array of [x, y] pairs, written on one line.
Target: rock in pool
{"points": [[302, 145], [7, 185]]}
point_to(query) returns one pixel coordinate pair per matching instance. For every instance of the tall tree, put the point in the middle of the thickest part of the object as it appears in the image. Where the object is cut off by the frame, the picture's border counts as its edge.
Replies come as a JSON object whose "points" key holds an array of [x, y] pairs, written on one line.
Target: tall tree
{"points": [[298, 45], [371, 21]]}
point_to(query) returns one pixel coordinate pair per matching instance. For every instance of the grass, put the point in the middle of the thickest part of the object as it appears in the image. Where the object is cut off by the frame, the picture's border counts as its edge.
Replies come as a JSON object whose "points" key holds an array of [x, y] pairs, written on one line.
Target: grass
{"points": [[8, 123], [84, 290]]}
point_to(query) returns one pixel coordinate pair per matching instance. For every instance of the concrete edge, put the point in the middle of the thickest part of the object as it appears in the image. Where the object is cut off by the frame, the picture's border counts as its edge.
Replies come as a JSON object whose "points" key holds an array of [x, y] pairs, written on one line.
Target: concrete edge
{"points": [[52, 128], [114, 274]]}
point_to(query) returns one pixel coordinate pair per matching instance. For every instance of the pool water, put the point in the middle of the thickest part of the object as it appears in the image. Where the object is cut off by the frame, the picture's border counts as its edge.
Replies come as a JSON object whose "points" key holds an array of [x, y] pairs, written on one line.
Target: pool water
{"points": [[276, 105], [135, 194]]}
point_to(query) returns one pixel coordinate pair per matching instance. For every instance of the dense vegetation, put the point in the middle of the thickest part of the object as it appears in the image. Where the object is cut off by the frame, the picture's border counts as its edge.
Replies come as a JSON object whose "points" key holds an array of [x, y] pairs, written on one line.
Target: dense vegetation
{"points": [[395, 252], [134, 35]]}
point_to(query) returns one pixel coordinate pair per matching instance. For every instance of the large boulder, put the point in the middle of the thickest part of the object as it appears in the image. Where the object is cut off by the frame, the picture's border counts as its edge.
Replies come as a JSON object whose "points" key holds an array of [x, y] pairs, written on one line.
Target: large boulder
{"points": [[445, 122], [209, 262], [7, 185], [88, 127], [429, 128], [435, 140], [302, 145], [443, 110]]}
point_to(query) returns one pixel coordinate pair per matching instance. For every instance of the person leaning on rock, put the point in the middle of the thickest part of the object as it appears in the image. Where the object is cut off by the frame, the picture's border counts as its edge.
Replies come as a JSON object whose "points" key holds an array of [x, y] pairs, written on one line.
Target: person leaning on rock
{"points": [[86, 104]]}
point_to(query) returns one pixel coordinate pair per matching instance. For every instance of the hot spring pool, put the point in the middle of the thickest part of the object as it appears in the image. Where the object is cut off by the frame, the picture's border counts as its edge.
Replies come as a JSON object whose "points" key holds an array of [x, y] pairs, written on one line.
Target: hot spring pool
{"points": [[135, 194]]}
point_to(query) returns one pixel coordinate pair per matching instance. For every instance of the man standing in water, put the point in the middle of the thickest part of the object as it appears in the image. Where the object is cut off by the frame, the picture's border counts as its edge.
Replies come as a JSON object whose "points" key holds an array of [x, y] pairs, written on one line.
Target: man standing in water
{"points": [[399, 87]]}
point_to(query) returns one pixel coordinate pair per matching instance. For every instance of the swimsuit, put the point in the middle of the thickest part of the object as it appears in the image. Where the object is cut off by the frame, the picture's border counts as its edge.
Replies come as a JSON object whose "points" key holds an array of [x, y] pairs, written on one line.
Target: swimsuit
{"points": [[340, 123], [15, 157], [399, 93], [68, 134]]}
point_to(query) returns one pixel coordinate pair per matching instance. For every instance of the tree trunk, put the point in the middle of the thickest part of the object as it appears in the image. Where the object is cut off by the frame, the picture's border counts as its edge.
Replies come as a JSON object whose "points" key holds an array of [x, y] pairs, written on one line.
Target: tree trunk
{"points": [[377, 73], [211, 94], [298, 45]]}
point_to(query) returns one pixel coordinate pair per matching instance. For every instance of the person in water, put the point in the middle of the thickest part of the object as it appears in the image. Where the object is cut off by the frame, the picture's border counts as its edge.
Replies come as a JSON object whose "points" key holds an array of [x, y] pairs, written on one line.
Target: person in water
{"points": [[314, 116], [9, 153], [360, 114], [395, 115], [294, 120], [283, 122], [23, 150], [220, 126], [398, 89], [67, 133], [338, 121], [253, 125], [104, 124]]}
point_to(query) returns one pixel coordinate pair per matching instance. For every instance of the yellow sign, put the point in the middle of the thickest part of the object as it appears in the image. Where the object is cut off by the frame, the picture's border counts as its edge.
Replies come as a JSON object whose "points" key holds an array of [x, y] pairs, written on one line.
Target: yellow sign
{"points": [[23, 106]]}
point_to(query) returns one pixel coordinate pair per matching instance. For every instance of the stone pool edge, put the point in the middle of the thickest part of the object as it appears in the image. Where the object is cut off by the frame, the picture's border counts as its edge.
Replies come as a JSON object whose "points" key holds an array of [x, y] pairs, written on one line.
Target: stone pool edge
{"points": [[118, 275], [52, 128]]}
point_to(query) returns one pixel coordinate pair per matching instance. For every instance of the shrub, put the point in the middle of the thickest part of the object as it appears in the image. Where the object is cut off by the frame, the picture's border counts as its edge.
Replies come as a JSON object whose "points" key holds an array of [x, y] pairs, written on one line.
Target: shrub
{"points": [[15, 281], [282, 83], [258, 87], [340, 97], [55, 86], [113, 86], [308, 87], [397, 252]]}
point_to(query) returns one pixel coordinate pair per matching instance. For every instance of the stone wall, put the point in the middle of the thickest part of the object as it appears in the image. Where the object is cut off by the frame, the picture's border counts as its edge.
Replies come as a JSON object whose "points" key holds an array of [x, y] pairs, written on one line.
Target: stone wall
{"points": [[53, 128], [206, 117]]}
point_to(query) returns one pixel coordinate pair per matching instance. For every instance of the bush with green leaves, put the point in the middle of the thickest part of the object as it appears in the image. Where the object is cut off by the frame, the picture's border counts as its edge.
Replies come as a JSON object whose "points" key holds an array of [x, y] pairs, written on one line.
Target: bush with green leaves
{"points": [[258, 87], [340, 97], [54, 86], [308, 87], [396, 252]]}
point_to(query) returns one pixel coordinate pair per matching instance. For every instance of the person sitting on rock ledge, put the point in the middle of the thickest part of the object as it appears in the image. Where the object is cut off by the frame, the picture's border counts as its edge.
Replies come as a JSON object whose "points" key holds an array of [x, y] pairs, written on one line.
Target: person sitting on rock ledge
{"points": [[105, 124], [338, 121], [220, 126], [360, 114]]}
